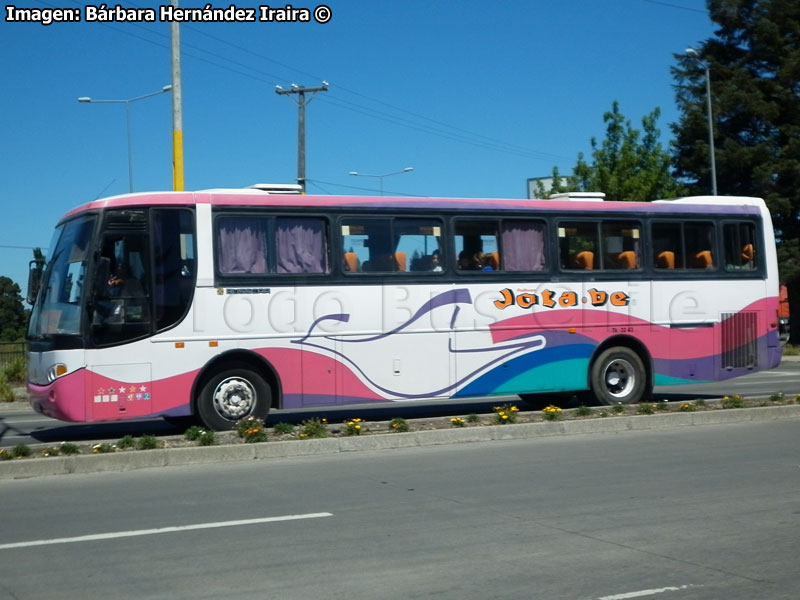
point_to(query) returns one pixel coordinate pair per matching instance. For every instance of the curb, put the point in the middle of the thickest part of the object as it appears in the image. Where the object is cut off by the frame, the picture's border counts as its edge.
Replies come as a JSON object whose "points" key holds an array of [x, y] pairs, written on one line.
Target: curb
{"points": [[173, 457]]}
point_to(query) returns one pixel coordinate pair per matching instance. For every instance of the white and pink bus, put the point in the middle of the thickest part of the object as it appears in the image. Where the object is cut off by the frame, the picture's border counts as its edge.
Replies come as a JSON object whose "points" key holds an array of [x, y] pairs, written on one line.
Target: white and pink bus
{"points": [[226, 303]]}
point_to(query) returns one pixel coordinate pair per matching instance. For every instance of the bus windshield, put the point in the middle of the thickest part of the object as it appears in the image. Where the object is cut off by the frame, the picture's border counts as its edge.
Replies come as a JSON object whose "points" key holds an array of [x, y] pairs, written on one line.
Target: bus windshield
{"points": [[58, 307]]}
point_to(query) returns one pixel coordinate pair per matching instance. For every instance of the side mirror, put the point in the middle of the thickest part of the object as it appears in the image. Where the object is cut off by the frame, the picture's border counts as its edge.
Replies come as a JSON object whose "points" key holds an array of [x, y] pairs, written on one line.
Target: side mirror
{"points": [[35, 269]]}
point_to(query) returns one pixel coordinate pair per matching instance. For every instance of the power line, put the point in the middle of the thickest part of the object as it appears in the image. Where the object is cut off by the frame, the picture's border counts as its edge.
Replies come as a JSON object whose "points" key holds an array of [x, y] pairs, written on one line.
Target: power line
{"points": [[670, 5], [444, 130], [361, 189]]}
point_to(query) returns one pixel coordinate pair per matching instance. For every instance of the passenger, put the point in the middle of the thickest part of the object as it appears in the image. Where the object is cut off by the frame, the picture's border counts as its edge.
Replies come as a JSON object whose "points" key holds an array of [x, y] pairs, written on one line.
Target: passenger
{"points": [[466, 262], [436, 262]]}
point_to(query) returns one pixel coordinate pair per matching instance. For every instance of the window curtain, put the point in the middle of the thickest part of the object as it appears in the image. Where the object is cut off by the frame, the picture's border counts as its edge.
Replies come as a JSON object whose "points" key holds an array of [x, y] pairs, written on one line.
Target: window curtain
{"points": [[523, 246], [300, 246], [242, 245]]}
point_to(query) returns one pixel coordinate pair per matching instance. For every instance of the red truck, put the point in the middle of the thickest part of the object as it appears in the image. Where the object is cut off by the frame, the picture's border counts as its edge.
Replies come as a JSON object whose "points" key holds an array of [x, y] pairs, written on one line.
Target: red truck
{"points": [[783, 314]]}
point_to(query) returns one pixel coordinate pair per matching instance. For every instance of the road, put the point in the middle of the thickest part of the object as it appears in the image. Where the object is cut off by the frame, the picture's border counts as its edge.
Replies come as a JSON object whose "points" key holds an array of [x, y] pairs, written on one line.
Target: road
{"points": [[29, 428], [700, 513]]}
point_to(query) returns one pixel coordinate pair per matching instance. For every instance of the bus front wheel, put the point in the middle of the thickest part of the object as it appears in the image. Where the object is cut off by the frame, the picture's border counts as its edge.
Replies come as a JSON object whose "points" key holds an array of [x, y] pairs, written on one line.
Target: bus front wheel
{"points": [[619, 376], [230, 396]]}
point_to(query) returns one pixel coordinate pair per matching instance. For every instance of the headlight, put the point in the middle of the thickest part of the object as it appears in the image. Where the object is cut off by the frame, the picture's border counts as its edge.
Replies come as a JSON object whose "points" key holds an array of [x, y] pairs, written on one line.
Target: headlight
{"points": [[56, 371]]}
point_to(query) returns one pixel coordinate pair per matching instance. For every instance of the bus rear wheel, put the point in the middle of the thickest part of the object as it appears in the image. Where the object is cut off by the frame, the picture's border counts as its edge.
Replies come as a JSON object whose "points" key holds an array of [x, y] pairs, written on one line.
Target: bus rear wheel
{"points": [[232, 394], [618, 376]]}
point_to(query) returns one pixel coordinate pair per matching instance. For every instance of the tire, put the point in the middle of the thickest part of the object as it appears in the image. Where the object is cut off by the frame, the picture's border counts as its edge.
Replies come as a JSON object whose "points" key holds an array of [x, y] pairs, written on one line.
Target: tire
{"points": [[618, 376], [231, 395]]}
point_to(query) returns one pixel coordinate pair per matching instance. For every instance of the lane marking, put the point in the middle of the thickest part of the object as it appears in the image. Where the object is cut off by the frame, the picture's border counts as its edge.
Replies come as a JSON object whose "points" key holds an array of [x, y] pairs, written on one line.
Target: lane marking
{"points": [[641, 593], [140, 532]]}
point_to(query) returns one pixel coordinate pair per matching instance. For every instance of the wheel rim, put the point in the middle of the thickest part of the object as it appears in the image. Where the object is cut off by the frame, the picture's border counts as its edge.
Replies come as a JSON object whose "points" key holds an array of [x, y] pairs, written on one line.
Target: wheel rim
{"points": [[619, 378], [234, 398]]}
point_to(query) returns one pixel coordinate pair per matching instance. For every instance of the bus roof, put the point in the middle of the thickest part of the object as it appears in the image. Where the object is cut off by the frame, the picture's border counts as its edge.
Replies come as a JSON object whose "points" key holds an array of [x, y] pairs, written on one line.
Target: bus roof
{"points": [[257, 198]]}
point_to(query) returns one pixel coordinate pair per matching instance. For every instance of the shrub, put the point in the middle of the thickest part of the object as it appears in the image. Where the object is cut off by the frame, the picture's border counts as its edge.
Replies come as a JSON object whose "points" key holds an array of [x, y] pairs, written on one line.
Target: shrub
{"points": [[6, 392], [193, 433], [663, 405], [126, 442], [103, 448], [399, 425], [353, 427], [207, 438], [68, 448], [646, 409], [505, 414], [473, 418], [283, 428], [148, 442], [735, 401], [583, 411], [687, 407], [16, 370], [778, 397], [21, 451], [618, 408], [551, 413], [314, 428], [252, 430]]}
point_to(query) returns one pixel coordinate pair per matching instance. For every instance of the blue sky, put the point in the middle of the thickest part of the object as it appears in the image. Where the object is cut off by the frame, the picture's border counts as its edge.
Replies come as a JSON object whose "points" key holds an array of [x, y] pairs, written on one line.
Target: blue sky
{"points": [[475, 96]]}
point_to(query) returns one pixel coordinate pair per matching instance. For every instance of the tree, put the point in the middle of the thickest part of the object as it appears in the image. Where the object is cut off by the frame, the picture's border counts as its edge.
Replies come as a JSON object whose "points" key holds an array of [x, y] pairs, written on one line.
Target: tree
{"points": [[629, 165], [754, 64], [13, 320]]}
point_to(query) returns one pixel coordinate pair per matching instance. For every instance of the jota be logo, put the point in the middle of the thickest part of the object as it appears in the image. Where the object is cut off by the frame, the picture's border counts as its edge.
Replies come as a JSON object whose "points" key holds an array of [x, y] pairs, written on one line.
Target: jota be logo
{"points": [[551, 299]]}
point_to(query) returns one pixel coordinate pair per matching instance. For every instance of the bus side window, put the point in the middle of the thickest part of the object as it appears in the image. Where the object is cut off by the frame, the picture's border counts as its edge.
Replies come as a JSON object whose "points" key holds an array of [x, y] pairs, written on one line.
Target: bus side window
{"points": [[621, 244], [667, 245], [301, 245], [523, 244], [698, 239], [578, 245], [477, 245], [740, 246]]}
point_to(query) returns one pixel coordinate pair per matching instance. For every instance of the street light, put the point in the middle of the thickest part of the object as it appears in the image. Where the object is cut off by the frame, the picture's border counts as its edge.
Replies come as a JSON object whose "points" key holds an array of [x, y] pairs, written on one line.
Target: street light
{"points": [[380, 177], [127, 103], [694, 54]]}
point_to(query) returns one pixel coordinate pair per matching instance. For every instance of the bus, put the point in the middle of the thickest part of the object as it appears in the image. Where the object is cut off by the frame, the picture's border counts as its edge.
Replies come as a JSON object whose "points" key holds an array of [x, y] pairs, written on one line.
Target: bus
{"points": [[222, 304]]}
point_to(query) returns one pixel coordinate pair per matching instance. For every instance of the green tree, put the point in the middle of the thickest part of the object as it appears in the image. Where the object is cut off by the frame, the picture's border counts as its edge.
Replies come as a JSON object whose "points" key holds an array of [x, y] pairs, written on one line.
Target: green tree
{"points": [[629, 164], [754, 64], [13, 319]]}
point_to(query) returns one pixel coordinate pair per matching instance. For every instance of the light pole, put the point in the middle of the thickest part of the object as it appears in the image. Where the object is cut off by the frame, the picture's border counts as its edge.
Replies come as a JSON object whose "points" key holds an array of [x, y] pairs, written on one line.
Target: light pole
{"points": [[127, 103], [380, 177], [694, 54]]}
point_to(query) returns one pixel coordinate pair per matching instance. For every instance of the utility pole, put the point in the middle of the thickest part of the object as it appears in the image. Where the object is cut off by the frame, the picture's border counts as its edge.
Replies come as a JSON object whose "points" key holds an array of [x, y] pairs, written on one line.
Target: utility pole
{"points": [[177, 110], [301, 124]]}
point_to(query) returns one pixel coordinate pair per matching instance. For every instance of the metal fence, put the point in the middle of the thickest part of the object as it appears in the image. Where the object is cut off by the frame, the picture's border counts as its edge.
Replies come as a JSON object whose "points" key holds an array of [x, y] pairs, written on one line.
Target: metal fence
{"points": [[10, 351]]}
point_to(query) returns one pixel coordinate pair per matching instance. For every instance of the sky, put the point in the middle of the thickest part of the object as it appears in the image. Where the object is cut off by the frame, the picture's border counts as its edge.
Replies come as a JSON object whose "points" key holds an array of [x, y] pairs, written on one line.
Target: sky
{"points": [[475, 96]]}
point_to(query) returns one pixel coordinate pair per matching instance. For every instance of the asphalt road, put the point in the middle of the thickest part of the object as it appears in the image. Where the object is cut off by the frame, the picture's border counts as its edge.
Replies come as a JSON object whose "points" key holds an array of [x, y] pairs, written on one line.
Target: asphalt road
{"points": [[25, 426], [699, 513]]}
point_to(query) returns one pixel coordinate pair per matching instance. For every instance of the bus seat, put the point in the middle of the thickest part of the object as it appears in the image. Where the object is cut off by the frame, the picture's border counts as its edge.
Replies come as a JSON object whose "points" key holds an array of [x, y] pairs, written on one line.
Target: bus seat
{"points": [[665, 260], [748, 252], [351, 261], [400, 260], [703, 260], [627, 259], [493, 260], [583, 260]]}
